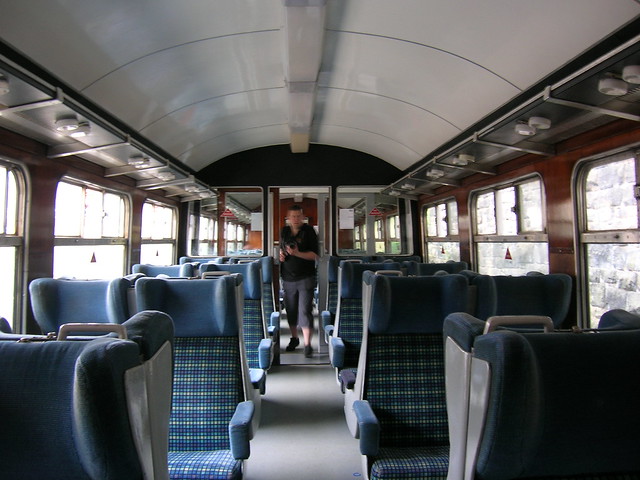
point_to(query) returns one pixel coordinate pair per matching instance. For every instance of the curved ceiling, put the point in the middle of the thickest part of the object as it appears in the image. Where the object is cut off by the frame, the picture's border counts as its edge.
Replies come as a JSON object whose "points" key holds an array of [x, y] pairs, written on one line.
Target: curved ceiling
{"points": [[398, 79]]}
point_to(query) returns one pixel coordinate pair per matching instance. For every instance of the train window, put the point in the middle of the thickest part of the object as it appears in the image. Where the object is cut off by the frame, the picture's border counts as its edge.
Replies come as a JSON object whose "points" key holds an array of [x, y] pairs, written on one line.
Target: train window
{"points": [[158, 234], [90, 232], [12, 209], [440, 223], [370, 222], [510, 237], [609, 237]]}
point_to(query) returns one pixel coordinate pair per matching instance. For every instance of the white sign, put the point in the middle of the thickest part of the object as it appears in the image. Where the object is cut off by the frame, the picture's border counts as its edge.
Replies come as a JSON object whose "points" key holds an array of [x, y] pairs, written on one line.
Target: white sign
{"points": [[345, 220]]}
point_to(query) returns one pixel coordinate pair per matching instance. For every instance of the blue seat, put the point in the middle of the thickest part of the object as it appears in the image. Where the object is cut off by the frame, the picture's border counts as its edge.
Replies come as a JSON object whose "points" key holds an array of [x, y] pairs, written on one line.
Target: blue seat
{"points": [[619, 319], [328, 313], [215, 407], [185, 270], [397, 407], [58, 301], [88, 409], [547, 295], [523, 419], [346, 335], [257, 333], [420, 269]]}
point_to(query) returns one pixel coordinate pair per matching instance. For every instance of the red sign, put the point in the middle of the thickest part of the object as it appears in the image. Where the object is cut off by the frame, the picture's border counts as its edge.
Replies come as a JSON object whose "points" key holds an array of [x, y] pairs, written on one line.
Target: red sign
{"points": [[228, 214], [375, 211], [507, 256]]}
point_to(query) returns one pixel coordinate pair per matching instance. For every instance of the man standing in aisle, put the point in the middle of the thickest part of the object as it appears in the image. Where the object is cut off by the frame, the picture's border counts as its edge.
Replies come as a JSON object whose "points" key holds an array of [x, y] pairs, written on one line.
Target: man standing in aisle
{"points": [[298, 255]]}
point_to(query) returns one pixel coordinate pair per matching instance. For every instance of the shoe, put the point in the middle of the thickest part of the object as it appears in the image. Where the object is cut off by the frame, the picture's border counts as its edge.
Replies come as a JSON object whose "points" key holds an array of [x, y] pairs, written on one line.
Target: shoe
{"points": [[308, 351], [293, 343]]}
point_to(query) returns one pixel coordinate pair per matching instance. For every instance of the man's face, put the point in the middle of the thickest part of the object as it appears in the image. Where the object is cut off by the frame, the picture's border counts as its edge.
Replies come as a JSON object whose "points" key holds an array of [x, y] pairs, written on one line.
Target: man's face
{"points": [[296, 217]]}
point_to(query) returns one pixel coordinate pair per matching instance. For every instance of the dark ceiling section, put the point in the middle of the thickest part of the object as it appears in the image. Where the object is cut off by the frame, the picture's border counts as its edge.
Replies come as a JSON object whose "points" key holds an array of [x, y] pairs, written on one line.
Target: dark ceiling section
{"points": [[322, 165]]}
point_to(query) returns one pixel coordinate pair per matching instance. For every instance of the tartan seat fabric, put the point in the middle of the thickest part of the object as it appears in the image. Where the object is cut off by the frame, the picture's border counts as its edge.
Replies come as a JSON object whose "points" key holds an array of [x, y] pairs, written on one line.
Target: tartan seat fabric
{"points": [[346, 336], [398, 404], [207, 388], [411, 464], [212, 420]]}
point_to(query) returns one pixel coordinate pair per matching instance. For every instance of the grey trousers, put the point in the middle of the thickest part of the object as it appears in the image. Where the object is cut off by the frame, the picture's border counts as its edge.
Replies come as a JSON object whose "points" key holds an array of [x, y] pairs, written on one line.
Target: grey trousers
{"points": [[298, 301]]}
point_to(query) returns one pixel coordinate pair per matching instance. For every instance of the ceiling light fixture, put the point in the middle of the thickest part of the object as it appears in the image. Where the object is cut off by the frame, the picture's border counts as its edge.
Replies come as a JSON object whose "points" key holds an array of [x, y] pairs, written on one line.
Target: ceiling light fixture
{"points": [[407, 186], [67, 124], [84, 129], [631, 73], [138, 161], [435, 172], [166, 176], [463, 159], [395, 193], [4, 85], [525, 129], [612, 86], [539, 123]]}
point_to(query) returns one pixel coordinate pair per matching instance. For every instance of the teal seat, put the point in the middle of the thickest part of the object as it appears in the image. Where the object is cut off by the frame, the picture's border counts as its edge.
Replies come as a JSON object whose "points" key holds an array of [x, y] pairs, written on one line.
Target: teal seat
{"points": [[397, 407], [215, 407]]}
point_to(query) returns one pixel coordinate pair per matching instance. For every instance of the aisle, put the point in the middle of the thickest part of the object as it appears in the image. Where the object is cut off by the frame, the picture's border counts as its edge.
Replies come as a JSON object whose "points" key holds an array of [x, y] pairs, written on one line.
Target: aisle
{"points": [[303, 434]]}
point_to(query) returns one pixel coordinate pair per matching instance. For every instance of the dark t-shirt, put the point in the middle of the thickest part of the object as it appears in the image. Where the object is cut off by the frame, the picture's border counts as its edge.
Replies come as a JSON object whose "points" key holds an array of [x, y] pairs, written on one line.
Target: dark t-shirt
{"points": [[296, 268]]}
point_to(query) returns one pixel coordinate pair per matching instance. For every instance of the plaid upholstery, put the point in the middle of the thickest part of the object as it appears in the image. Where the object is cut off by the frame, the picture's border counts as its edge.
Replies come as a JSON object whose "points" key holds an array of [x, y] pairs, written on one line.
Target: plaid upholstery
{"points": [[427, 463], [207, 388], [350, 329], [410, 403], [267, 299], [619, 476], [218, 465], [332, 297], [253, 329]]}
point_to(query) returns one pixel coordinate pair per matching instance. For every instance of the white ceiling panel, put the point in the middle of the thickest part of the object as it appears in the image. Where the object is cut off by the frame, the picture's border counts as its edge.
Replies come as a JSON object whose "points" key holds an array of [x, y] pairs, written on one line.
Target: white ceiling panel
{"points": [[203, 79]]}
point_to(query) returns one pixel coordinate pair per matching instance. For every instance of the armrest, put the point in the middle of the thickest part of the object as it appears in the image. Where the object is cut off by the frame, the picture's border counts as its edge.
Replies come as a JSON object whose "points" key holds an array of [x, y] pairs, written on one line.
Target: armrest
{"points": [[265, 353], [274, 320], [258, 379], [240, 431], [369, 427], [347, 379], [327, 319], [337, 352]]}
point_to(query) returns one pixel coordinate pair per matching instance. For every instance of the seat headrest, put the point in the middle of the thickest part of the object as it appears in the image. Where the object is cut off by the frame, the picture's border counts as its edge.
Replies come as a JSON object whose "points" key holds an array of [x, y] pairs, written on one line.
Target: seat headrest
{"points": [[198, 308], [351, 281], [251, 274], [415, 268], [414, 304]]}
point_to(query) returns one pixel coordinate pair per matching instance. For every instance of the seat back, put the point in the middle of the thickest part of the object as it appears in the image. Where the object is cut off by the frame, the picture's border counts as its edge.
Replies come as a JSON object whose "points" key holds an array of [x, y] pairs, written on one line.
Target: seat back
{"points": [[185, 270], [211, 373], [420, 269], [523, 420], [548, 295], [348, 321], [401, 363], [58, 301], [254, 319], [68, 409]]}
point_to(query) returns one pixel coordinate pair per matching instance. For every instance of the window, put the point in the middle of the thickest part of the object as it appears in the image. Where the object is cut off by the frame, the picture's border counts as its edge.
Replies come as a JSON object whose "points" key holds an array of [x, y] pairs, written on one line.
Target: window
{"points": [[12, 213], [510, 236], [90, 228], [440, 223], [370, 222], [609, 238], [158, 234]]}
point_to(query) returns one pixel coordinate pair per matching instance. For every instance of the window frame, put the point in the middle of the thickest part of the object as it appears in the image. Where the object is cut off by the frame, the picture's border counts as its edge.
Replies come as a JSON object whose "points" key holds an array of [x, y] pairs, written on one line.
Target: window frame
{"points": [[79, 241], [172, 240], [449, 237], [585, 237], [522, 236]]}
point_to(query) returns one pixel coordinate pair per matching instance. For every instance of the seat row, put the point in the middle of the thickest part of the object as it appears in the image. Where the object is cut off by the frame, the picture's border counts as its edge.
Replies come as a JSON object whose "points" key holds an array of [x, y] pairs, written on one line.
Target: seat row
{"points": [[215, 394], [485, 295], [442, 394]]}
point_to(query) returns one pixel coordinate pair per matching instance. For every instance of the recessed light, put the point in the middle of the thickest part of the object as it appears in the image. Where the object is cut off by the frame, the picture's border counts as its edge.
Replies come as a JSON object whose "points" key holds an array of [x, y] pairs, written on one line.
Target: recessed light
{"points": [[612, 86], [539, 123], [67, 124], [525, 129], [84, 129], [631, 73], [4, 85], [463, 159]]}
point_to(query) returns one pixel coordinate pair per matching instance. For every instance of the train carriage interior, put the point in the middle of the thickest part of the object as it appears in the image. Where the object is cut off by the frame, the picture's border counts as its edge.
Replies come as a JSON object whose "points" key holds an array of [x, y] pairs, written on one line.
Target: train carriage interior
{"points": [[497, 141]]}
